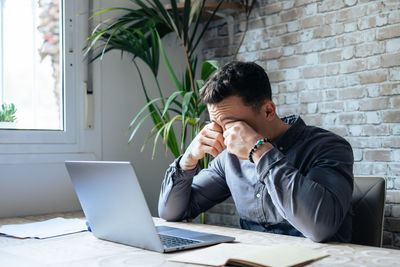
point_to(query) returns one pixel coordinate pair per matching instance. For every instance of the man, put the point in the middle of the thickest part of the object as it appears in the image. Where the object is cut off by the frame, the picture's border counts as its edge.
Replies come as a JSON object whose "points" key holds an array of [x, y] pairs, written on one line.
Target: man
{"points": [[300, 183]]}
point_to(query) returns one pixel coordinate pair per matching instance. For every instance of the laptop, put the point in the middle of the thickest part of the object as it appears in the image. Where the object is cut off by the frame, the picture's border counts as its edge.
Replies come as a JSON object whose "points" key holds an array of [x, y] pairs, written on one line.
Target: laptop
{"points": [[116, 210]]}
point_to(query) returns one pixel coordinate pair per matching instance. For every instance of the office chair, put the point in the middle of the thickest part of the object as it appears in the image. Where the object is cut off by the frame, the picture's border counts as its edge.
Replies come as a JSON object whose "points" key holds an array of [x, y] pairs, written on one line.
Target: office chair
{"points": [[368, 208]]}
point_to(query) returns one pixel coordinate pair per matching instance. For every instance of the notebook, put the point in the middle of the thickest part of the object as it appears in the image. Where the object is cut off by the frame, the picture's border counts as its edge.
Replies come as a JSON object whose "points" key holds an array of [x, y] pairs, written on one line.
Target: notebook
{"points": [[116, 210], [251, 255]]}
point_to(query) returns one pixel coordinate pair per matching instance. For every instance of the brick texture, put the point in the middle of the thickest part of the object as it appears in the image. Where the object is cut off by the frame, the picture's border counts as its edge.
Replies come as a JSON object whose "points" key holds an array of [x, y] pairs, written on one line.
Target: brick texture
{"points": [[337, 64]]}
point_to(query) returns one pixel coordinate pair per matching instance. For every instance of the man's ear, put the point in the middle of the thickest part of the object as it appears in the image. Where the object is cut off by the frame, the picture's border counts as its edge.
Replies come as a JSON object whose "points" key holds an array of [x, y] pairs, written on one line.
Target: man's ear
{"points": [[269, 109]]}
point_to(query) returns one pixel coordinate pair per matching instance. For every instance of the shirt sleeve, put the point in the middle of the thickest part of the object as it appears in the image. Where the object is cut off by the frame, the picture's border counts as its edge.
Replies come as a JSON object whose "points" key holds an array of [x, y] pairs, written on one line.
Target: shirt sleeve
{"points": [[184, 194], [316, 202]]}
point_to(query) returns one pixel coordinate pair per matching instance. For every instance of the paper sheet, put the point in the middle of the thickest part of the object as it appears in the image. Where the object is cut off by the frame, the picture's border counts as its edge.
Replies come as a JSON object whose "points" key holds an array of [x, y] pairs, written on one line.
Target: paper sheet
{"points": [[276, 255], [45, 229]]}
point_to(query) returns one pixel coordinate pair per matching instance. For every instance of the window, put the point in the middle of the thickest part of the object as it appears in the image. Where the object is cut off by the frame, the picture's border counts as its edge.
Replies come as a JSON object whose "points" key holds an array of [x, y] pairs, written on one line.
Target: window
{"points": [[43, 116], [31, 63], [69, 135]]}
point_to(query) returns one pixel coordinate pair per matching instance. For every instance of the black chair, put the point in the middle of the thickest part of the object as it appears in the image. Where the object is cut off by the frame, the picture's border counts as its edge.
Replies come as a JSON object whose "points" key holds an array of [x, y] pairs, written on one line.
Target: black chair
{"points": [[369, 209]]}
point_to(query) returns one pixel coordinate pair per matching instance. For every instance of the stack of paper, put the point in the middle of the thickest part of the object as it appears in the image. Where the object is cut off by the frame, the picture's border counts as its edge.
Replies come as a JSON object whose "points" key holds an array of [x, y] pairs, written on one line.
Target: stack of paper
{"points": [[45, 229]]}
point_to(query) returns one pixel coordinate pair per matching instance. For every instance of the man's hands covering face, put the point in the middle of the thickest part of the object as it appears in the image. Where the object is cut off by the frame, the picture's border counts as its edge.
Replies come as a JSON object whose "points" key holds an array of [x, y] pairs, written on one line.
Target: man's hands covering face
{"points": [[240, 138], [210, 140]]}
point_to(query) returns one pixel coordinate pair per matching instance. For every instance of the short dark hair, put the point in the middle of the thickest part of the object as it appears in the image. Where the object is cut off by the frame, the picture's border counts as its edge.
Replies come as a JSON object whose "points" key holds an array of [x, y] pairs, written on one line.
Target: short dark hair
{"points": [[244, 79]]}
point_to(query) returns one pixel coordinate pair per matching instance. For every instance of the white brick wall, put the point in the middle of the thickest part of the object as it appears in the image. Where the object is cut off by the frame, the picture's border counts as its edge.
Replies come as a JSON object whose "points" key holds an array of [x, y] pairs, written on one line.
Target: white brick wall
{"points": [[337, 64]]}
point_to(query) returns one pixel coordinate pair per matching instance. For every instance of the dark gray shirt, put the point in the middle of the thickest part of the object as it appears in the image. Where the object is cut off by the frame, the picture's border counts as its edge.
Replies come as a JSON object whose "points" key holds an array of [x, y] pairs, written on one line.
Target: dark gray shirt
{"points": [[302, 186]]}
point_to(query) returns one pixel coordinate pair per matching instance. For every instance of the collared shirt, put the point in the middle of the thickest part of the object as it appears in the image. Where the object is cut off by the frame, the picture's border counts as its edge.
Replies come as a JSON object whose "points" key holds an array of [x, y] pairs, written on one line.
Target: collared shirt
{"points": [[303, 186]]}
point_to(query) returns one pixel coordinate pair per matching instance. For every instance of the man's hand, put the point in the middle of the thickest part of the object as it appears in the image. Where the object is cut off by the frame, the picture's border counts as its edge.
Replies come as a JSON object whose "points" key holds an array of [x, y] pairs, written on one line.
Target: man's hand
{"points": [[210, 140], [240, 138]]}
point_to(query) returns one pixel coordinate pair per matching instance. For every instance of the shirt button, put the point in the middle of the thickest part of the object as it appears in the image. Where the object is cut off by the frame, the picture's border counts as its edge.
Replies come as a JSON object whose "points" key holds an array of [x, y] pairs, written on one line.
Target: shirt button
{"points": [[280, 148], [258, 195]]}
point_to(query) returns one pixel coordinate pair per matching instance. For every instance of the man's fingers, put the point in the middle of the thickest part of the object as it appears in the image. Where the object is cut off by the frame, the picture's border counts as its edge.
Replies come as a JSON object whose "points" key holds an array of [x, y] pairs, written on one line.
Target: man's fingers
{"points": [[216, 135], [214, 131], [223, 145], [211, 150], [239, 124], [226, 134], [230, 124], [212, 143], [215, 127]]}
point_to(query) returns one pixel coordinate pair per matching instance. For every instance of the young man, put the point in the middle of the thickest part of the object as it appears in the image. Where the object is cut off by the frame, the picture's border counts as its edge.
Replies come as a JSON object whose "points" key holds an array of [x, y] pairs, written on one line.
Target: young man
{"points": [[284, 176]]}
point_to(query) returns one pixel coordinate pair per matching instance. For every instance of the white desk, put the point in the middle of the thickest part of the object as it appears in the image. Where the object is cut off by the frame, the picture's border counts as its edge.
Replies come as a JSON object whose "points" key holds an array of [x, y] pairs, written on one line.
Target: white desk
{"points": [[83, 249]]}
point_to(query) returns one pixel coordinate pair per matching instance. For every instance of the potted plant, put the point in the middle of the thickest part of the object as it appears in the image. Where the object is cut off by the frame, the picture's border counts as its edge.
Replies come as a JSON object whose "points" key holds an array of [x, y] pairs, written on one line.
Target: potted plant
{"points": [[7, 116], [138, 32]]}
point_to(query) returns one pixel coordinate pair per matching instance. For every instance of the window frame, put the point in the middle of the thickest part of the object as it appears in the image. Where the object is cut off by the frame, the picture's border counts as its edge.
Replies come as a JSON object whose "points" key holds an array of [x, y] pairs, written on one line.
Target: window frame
{"points": [[66, 140]]}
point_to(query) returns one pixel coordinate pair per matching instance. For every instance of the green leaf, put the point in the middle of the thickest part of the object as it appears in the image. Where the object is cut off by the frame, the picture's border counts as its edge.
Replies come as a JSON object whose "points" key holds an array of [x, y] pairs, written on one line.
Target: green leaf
{"points": [[109, 9], [172, 144], [169, 67], [142, 110], [169, 101], [197, 23], [200, 84], [155, 51], [185, 103], [178, 103], [168, 127], [175, 110], [156, 118], [195, 11], [142, 81], [159, 133], [150, 134], [187, 81], [208, 68], [138, 126], [183, 134], [186, 20], [163, 14], [176, 15], [96, 31], [205, 27], [109, 40], [169, 135]]}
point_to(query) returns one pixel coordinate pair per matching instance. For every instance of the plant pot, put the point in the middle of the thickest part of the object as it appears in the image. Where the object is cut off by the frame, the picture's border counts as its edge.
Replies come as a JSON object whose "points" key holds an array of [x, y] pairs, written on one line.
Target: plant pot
{"points": [[8, 125]]}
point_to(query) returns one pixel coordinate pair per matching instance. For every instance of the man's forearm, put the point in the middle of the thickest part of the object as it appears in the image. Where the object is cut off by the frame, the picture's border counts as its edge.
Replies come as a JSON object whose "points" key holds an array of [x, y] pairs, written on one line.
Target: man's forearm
{"points": [[312, 204], [184, 194], [173, 203], [187, 162]]}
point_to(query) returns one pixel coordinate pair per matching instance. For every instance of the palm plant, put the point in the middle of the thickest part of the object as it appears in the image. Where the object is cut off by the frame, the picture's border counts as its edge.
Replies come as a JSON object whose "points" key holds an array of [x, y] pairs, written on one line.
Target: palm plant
{"points": [[139, 33]]}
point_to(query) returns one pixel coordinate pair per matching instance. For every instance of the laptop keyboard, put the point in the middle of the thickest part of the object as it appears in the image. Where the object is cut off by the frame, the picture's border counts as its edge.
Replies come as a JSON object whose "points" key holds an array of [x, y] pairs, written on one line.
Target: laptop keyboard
{"points": [[173, 241]]}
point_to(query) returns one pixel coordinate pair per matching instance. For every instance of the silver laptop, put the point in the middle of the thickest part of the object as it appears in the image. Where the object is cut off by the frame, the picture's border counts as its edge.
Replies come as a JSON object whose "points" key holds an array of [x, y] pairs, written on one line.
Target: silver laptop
{"points": [[116, 210]]}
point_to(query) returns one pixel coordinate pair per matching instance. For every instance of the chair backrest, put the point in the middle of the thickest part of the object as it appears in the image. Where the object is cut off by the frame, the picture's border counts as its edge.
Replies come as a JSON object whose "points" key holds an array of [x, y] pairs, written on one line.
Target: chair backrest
{"points": [[368, 207]]}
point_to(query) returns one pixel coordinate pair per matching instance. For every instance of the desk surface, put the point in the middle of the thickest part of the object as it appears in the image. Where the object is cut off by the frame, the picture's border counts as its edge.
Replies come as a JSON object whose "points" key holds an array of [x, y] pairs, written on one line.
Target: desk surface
{"points": [[83, 249]]}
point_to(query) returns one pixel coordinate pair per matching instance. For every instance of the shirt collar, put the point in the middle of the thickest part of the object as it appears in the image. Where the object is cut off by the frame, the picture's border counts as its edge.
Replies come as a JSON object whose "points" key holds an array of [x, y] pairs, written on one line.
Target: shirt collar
{"points": [[289, 138]]}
